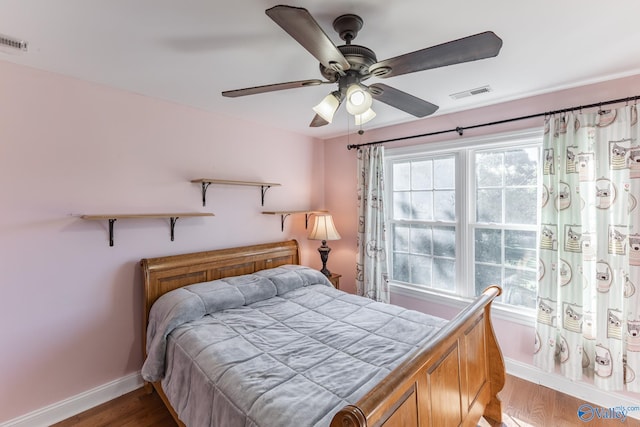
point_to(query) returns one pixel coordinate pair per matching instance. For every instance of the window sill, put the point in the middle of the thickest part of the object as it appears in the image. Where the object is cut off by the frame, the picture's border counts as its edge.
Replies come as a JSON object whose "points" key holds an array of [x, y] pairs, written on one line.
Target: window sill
{"points": [[519, 315]]}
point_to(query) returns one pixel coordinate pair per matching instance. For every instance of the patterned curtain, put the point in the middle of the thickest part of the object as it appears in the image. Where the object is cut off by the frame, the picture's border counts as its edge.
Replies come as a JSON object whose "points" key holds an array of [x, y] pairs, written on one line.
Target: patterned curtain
{"points": [[588, 314], [371, 276]]}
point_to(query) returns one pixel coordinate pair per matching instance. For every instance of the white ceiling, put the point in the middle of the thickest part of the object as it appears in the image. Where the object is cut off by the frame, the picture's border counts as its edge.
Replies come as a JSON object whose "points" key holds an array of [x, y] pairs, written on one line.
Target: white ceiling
{"points": [[188, 51]]}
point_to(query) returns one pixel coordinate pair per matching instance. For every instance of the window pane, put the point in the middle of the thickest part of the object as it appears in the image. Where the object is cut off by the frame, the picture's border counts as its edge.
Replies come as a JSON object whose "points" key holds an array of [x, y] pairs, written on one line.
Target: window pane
{"points": [[422, 204], [489, 206], [520, 239], [421, 239], [521, 167], [520, 205], [445, 205], [402, 205], [400, 238], [518, 257], [520, 249], [444, 241], [421, 175], [445, 173], [488, 169], [401, 267], [519, 288], [488, 246], [401, 176], [444, 274], [420, 270], [487, 275]]}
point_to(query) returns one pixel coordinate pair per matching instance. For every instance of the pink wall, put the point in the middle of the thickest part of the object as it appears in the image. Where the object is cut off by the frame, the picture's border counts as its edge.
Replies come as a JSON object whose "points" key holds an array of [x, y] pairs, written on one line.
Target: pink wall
{"points": [[70, 305], [341, 179]]}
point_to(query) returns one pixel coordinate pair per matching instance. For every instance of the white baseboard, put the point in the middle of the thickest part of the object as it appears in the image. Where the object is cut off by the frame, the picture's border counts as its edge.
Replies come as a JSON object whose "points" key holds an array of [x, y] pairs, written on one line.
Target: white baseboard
{"points": [[581, 390], [76, 404]]}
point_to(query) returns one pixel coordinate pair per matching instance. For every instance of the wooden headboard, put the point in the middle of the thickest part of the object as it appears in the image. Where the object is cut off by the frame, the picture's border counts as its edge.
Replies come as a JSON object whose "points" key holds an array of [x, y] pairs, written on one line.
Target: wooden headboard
{"points": [[164, 274]]}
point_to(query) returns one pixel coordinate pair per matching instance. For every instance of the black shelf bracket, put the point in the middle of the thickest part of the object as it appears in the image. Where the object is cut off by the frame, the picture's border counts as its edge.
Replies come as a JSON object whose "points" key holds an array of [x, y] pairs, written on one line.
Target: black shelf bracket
{"points": [[282, 218], [111, 221], [205, 185], [306, 220], [173, 221], [263, 189]]}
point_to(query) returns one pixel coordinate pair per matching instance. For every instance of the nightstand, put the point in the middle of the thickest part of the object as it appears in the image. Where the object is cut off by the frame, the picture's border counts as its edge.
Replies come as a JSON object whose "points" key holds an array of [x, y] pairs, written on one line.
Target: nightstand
{"points": [[335, 280]]}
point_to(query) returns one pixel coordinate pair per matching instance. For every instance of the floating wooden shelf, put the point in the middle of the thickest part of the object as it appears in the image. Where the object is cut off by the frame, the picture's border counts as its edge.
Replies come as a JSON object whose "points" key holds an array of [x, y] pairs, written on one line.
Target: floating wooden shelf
{"points": [[205, 182], [285, 214], [173, 217]]}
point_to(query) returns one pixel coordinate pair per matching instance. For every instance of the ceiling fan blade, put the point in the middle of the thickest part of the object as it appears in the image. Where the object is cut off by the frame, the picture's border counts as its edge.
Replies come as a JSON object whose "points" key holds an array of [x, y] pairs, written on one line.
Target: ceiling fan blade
{"points": [[300, 25], [472, 48], [271, 88], [317, 122], [402, 100]]}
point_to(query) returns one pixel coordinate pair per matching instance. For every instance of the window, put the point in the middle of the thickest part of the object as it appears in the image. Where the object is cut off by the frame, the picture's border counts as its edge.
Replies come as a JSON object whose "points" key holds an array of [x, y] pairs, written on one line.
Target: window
{"points": [[464, 216], [423, 226]]}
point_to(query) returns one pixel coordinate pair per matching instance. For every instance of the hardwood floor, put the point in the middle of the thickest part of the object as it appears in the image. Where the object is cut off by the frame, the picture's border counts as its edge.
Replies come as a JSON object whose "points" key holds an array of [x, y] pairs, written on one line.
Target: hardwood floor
{"points": [[524, 404], [527, 404], [135, 409]]}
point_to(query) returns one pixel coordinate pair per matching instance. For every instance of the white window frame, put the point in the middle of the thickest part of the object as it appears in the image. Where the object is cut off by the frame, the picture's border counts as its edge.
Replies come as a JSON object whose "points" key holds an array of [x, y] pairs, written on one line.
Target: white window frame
{"points": [[465, 281]]}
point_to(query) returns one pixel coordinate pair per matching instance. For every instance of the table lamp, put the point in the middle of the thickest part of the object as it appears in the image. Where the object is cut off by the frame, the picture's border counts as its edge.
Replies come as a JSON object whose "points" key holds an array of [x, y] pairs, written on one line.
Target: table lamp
{"points": [[323, 229]]}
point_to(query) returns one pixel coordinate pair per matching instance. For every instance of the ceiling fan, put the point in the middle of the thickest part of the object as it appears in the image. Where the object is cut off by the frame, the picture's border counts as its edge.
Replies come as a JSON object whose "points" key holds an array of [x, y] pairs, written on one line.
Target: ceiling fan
{"points": [[349, 65]]}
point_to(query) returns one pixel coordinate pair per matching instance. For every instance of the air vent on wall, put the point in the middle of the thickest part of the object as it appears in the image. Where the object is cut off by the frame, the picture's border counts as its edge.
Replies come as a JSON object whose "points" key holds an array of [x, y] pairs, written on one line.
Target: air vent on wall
{"points": [[471, 92], [12, 44]]}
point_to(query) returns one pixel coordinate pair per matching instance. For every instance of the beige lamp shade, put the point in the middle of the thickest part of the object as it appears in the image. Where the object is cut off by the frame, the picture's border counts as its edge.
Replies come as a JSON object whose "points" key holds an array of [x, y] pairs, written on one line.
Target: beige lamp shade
{"points": [[324, 229]]}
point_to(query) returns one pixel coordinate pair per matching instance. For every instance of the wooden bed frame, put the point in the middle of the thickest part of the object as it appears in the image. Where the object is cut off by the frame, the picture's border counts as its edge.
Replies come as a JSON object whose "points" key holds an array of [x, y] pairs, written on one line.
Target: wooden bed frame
{"points": [[451, 381]]}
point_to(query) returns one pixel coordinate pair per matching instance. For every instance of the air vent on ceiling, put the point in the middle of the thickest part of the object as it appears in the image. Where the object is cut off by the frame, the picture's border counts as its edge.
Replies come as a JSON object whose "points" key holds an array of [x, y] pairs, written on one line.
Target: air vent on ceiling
{"points": [[471, 92], [8, 43]]}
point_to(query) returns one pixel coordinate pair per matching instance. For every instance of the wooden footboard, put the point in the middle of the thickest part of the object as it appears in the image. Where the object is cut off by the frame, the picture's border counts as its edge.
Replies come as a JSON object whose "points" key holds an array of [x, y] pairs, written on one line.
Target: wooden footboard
{"points": [[452, 381]]}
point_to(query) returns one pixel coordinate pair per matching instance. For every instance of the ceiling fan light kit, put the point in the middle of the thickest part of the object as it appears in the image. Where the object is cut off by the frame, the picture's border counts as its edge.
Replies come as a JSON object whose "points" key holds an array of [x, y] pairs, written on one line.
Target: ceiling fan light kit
{"points": [[365, 117], [328, 106], [358, 100], [349, 65]]}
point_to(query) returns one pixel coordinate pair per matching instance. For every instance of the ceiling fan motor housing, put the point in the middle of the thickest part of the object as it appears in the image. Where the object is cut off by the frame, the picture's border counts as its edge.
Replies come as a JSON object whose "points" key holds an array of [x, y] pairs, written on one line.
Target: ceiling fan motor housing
{"points": [[360, 58]]}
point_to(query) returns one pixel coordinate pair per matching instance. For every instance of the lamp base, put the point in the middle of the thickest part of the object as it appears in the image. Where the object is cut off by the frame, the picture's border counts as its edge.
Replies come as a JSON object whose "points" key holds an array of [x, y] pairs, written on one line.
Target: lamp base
{"points": [[324, 256]]}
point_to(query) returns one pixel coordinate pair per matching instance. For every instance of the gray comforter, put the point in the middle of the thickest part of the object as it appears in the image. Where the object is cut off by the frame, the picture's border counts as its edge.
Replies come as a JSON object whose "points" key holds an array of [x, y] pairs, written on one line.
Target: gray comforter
{"points": [[279, 347]]}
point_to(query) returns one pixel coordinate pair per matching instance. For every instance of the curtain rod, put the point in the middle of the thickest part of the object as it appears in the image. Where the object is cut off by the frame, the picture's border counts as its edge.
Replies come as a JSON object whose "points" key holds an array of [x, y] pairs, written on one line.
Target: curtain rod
{"points": [[461, 129]]}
